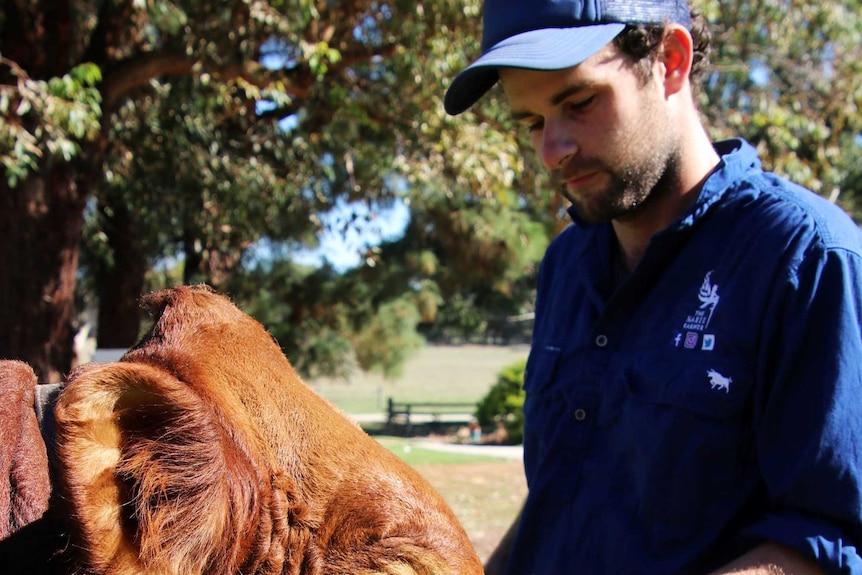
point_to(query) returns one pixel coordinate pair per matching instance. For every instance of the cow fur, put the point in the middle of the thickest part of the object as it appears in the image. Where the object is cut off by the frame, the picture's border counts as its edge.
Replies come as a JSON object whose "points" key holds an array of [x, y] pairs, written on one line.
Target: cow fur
{"points": [[24, 483], [202, 452]]}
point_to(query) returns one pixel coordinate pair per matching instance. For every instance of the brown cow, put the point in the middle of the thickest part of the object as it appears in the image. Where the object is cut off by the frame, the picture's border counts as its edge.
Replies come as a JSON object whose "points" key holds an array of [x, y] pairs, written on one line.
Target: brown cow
{"points": [[202, 451]]}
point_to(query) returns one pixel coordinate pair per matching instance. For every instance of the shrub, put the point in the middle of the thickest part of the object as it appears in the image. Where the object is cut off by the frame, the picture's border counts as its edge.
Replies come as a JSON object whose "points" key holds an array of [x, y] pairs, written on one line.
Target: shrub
{"points": [[505, 402]]}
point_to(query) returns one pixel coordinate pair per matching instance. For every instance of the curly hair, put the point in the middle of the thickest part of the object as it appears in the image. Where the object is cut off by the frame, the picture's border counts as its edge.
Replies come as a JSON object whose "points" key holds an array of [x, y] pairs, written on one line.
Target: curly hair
{"points": [[642, 42]]}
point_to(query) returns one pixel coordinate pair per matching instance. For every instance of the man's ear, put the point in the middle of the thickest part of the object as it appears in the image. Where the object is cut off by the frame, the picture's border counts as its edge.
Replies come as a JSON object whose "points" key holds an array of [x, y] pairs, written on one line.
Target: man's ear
{"points": [[676, 58]]}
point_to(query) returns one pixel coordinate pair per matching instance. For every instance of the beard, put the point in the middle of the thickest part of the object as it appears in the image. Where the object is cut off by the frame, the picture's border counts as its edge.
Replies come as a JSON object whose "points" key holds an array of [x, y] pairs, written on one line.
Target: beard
{"points": [[624, 192]]}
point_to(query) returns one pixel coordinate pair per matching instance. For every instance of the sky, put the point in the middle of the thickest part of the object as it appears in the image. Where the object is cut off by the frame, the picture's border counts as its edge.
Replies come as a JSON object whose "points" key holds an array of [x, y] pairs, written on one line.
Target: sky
{"points": [[373, 226]]}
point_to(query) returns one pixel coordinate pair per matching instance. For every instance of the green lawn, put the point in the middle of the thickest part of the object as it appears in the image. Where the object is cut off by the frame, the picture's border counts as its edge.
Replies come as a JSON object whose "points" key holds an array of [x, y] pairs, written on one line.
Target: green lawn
{"points": [[413, 456], [435, 373]]}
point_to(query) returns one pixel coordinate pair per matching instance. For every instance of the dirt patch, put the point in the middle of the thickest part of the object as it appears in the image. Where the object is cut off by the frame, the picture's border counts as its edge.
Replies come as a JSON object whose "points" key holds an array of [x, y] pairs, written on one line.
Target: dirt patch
{"points": [[485, 496]]}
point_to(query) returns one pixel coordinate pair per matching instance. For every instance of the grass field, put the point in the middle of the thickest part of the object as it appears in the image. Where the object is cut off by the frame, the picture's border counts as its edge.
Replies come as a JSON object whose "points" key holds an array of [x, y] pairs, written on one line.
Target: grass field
{"points": [[435, 373]]}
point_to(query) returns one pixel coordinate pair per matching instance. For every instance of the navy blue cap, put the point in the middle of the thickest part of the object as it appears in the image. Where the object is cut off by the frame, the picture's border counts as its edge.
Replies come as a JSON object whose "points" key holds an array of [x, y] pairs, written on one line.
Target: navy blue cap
{"points": [[550, 35]]}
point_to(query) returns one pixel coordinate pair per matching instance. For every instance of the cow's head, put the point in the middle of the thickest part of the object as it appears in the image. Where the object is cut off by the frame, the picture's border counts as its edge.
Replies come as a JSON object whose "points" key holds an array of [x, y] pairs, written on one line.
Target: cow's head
{"points": [[202, 451]]}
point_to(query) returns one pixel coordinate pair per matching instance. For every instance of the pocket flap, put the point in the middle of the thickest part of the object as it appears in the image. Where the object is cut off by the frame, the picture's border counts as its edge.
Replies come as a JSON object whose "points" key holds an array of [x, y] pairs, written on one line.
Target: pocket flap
{"points": [[541, 367], [716, 389]]}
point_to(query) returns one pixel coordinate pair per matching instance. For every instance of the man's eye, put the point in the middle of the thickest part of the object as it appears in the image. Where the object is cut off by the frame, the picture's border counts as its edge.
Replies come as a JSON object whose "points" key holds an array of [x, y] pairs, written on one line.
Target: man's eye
{"points": [[581, 104], [534, 126]]}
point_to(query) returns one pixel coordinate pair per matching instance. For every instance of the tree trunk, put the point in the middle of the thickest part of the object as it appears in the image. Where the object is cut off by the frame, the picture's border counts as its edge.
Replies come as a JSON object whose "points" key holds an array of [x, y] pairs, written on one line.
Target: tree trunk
{"points": [[120, 282], [41, 221]]}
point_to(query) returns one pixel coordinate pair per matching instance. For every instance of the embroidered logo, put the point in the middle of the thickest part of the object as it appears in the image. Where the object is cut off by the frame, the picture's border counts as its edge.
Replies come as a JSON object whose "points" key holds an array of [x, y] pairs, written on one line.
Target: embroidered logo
{"points": [[708, 294], [691, 340], [718, 381], [709, 298], [708, 342]]}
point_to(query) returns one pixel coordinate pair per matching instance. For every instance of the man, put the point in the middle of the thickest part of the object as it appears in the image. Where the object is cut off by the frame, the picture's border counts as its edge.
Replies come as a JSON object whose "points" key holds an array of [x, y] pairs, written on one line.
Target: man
{"points": [[694, 387]]}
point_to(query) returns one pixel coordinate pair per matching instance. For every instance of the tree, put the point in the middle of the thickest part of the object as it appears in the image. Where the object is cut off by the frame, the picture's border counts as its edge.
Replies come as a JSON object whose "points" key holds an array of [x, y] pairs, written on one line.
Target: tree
{"points": [[191, 180], [79, 77], [68, 69], [310, 312], [787, 78]]}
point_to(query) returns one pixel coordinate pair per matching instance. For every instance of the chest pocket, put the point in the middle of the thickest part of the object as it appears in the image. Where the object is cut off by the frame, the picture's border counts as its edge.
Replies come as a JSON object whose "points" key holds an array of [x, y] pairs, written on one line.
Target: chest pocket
{"points": [[715, 390], [686, 442], [543, 401], [541, 366], [559, 422]]}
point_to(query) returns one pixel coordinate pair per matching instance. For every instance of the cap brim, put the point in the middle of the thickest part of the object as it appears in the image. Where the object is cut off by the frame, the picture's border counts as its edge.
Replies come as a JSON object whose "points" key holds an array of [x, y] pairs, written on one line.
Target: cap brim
{"points": [[546, 49]]}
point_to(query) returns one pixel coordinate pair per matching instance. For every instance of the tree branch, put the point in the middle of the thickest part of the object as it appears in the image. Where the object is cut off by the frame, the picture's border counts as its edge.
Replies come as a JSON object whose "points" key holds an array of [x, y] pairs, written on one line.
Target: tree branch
{"points": [[125, 75]]}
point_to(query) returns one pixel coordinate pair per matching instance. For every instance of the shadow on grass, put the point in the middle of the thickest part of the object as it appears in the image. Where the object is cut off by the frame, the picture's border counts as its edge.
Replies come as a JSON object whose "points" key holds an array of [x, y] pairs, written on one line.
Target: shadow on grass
{"points": [[430, 429]]}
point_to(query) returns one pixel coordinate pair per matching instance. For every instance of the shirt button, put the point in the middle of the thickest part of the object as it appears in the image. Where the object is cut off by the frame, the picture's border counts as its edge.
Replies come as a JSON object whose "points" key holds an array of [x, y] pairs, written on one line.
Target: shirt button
{"points": [[580, 414], [601, 340]]}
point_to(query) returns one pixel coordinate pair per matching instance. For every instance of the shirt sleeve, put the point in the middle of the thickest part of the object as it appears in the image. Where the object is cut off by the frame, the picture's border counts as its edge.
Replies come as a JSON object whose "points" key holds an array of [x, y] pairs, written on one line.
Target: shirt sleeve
{"points": [[808, 411]]}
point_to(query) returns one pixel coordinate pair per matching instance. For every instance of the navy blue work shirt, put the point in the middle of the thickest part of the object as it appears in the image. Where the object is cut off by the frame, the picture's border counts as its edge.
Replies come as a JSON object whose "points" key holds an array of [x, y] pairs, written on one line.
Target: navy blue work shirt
{"points": [[710, 402]]}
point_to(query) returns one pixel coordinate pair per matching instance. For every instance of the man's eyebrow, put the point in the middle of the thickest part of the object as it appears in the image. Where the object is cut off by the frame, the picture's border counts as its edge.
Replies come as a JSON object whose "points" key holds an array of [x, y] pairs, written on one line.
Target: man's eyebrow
{"points": [[556, 99]]}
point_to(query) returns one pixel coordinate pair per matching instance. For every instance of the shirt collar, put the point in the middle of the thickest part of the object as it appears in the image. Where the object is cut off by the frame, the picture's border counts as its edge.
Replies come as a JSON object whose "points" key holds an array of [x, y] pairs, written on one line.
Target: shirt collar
{"points": [[736, 157]]}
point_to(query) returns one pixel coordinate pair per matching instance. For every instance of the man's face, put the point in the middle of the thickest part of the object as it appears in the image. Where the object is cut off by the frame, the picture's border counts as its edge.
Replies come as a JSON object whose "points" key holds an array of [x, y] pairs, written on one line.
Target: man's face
{"points": [[599, 128]]}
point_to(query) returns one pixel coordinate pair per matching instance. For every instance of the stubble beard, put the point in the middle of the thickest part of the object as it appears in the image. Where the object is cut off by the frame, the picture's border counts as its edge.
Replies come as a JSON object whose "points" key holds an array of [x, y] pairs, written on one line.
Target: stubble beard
{"points": [[629, 189]]}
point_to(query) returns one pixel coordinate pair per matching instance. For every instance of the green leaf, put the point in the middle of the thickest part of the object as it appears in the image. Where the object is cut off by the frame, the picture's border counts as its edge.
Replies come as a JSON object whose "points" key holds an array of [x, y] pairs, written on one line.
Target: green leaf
{"points": [[87, 74]]}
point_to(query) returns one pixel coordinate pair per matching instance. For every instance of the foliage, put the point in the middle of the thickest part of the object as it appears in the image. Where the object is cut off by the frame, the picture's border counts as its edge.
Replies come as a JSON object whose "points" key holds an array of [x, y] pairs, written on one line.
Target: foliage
{"points": [[197, 168], [65, 110], [170, 127], [196, 132], [388, 339], [327, 323], [505, 402], [787, 77], [311, 329], [470, 261], [458, 321]]}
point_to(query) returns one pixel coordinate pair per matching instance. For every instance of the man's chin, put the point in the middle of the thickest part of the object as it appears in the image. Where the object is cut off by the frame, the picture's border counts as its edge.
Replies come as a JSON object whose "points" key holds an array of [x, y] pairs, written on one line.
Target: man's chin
{"points": [[591, 215]]}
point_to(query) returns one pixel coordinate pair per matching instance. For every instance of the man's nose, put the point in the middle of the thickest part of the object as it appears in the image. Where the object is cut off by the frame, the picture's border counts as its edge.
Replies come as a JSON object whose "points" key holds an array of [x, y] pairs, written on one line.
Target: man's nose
{"points": [[558, 145]]}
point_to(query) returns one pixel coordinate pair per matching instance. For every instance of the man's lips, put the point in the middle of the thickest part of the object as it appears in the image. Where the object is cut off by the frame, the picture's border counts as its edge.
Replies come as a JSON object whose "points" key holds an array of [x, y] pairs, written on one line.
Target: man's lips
{"points": [[577, 181]]}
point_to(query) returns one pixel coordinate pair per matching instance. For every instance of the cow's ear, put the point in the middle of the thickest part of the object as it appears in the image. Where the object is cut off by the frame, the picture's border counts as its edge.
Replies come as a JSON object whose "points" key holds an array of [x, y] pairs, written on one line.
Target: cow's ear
{"points": [[156, 477], [156, 302]]}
